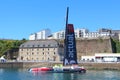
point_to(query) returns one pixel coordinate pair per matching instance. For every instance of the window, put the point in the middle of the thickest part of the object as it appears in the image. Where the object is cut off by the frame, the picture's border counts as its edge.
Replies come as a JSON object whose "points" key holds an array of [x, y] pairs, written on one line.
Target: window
{"points": [[21, 57], [43, 53], [38, 45], [28, 45], [37, 49], [37, 59], [33, 45], [43, 45], [21, 49], [49, 45]]}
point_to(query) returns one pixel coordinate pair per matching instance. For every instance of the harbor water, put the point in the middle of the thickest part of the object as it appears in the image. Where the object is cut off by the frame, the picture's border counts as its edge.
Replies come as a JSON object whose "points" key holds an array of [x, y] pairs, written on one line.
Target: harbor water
{"points": [[24, 74]]}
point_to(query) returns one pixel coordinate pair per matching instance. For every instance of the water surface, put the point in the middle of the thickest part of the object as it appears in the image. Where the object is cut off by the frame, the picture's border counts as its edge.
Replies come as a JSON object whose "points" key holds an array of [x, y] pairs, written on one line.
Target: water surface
{"points": [[23, 74]]}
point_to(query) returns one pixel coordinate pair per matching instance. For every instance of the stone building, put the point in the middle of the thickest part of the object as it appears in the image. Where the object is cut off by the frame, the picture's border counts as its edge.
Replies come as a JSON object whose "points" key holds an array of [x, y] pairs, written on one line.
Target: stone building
{"points": [[41, 50]]}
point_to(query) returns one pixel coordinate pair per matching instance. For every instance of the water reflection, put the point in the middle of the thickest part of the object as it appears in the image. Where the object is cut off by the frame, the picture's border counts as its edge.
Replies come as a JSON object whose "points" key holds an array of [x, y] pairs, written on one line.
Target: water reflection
{"points": [[110, 75], [64, 76], [1, 71], [56, 76], [71, 76]]}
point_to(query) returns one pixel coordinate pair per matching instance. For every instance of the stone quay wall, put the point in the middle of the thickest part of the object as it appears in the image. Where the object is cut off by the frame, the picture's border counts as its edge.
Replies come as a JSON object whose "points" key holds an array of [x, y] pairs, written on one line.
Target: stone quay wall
{"points": [[101, 66], [88, 66]]}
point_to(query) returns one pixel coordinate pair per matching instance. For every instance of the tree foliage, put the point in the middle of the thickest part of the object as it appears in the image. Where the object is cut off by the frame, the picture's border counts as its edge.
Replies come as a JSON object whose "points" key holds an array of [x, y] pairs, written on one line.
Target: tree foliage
{"points": [[6, 45]]}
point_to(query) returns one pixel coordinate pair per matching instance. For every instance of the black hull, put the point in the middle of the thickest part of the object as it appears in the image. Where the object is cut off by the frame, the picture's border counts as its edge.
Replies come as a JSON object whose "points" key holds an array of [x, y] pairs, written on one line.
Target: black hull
{"points": [[67, 71]]}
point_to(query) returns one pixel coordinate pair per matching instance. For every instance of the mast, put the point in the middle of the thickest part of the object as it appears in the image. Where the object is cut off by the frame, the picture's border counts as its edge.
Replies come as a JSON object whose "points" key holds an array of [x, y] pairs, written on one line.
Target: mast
{"points": [[70, 55], [67, 17], [65, 55]]}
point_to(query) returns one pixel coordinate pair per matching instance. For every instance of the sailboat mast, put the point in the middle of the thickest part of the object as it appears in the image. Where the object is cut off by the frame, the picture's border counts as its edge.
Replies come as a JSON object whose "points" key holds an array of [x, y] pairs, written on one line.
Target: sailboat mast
{"points": [[67, 17], [70, 55], [65, 40]]}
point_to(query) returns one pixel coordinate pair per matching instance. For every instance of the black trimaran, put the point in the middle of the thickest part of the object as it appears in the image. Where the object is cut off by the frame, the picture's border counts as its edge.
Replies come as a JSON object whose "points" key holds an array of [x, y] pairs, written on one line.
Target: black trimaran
{"points": [[70, 63]]}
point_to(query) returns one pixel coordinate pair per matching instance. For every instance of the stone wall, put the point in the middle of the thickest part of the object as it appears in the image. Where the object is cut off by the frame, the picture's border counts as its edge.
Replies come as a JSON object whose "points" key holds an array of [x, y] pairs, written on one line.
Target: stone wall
{"points": [[11, 65], [88, 47], [91, 46], [88, 66], [101, 66]]}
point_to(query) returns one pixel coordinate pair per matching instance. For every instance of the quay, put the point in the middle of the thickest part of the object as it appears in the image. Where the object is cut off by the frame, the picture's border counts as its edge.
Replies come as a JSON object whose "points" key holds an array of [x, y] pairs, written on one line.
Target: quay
{"points": [[87, 65]]}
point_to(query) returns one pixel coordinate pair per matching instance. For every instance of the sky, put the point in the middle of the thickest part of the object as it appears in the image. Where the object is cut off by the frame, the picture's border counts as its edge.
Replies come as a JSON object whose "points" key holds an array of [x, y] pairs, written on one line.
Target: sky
{"points": [[20, 18]]}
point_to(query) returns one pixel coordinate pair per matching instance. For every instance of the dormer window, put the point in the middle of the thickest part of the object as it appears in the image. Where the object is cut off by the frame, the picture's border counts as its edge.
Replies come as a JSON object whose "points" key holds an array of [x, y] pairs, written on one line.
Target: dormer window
{"points": [[33, 45], [38, 45], [49, 45], [28, 45], [43, 45]]}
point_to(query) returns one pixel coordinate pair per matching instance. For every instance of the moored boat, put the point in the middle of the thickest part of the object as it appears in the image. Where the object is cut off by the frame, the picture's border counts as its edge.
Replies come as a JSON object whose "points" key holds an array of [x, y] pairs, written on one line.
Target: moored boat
{"points": [[57, 69], [70, 63]]}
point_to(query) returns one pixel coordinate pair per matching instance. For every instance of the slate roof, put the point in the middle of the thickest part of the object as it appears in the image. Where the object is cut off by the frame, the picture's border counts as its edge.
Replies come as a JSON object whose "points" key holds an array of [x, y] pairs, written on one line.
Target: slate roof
{"points": [[39, 43]]}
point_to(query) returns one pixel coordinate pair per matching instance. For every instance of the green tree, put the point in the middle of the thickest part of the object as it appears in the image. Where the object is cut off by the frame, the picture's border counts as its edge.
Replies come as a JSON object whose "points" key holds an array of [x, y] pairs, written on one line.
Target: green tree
{"points": [[6, 45]]}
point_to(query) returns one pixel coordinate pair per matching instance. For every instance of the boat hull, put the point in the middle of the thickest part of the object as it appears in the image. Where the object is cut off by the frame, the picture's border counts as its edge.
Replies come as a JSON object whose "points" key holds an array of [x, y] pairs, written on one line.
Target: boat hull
{"points": [[58, 70]]}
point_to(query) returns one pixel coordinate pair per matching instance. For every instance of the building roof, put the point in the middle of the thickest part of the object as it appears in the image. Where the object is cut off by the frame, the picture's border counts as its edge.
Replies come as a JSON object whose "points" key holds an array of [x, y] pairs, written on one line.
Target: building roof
{"points": [[107, 54], [39, 43], [115, 31]]}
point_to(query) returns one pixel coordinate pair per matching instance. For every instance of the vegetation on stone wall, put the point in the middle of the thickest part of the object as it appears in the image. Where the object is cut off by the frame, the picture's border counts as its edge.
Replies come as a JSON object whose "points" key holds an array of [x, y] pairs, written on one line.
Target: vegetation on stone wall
{"points": [[100, 39], [6, 45], [116, 45]]}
